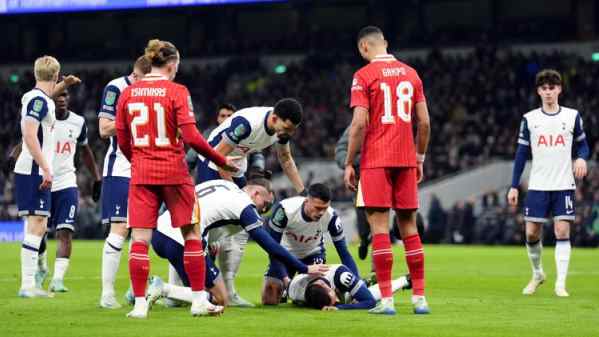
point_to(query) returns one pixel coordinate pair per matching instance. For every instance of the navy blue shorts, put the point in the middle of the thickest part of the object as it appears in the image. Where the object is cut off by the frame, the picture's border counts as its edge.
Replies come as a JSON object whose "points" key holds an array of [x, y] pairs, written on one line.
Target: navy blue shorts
{"points": [[115, 191], [169, 249], [539, 205], [30, 200], [280, 271], [205, 173], [65, 205]]}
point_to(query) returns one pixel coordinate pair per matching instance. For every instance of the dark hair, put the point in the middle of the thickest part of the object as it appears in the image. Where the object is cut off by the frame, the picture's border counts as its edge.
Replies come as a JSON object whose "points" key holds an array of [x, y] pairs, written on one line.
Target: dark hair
{"points": [[368, 30], [160, 52], [317, 296], [142, 63], [548, 76], [261, 182], [227, 106], [320, 191], [289, 109]]}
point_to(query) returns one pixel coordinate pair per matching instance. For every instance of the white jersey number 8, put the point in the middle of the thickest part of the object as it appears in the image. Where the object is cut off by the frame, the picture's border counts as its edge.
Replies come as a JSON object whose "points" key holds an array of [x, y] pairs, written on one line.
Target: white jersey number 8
{"points": [[142, 119], [404, 92]]}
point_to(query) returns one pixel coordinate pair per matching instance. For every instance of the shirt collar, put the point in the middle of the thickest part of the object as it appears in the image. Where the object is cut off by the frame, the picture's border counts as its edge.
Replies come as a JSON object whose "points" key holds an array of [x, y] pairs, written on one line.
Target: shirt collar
{"points": [[383, 58], [154, 77]]}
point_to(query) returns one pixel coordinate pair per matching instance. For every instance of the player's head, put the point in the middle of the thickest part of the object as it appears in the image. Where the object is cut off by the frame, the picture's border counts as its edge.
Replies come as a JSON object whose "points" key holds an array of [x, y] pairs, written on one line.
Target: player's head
{"points": [[319, 294], [225, 110], [260, 190], [318, 201], [549, 85], [163, 55], [287, 116], [46, 69], [62, 102], [141, 67], [371, 42]]}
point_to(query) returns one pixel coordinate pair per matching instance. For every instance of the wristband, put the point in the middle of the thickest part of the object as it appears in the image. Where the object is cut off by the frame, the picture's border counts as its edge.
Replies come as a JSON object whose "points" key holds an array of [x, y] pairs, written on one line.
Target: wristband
{"points": [[420, 157]]}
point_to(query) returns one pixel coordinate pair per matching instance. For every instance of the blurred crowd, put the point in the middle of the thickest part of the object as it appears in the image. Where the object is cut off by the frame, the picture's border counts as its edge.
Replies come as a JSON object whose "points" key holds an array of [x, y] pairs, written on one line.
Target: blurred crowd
{"points": [[476, 102]]}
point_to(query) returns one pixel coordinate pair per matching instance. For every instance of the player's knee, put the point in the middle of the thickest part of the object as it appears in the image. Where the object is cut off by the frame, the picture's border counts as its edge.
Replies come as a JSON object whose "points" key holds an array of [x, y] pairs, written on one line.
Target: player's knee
{"points": [[562, 230], [119, 228], [218, 297], [36, 225]]}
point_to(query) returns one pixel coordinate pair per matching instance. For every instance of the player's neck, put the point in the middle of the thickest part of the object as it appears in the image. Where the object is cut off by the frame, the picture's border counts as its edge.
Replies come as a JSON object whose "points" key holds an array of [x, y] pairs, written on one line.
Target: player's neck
{"points": [[551, 108], [378, 54], [62, 115], [160, 71], [45, 86]]}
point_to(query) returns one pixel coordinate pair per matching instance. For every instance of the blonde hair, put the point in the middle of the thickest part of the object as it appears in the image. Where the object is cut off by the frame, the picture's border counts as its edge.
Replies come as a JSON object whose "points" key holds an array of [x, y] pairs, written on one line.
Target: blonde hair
{"points": [[46, 68], [160, 52], [143, 64]]}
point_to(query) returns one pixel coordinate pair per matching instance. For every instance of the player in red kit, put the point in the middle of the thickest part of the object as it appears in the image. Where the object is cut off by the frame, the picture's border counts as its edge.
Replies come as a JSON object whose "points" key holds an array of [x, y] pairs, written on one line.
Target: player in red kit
{"points": [[384, 95], [151, 114]]}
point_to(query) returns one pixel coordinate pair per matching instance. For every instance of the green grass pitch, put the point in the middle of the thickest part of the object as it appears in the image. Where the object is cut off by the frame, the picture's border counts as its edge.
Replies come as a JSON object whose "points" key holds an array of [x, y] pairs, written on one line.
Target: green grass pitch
{"points": [[473, 291]]}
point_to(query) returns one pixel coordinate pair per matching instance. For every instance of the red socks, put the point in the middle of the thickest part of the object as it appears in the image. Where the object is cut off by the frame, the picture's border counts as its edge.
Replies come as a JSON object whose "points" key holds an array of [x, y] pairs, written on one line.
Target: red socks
{"points": [[139, 267], [382, 257], [193, 261], [415, 261]]}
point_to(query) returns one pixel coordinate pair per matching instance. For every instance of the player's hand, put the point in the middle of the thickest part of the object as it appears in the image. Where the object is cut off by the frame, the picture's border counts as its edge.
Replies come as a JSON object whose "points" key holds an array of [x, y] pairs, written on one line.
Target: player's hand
{"points": [[96, 190], [71, 80], [46, 180], [317, 269], [350, 178], [214, 248], [330, 308], [580, 168], [232, 164], [419, 172], [512, 196], [8, 166]]}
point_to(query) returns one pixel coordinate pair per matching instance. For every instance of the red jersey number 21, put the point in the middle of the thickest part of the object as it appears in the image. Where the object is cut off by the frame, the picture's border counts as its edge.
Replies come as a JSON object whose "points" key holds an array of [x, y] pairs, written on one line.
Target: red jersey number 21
{"points": [[404, 92], [142, 113]]}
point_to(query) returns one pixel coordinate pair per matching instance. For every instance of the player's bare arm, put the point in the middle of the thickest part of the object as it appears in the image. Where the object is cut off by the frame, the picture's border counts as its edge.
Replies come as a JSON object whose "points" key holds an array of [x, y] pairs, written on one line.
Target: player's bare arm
{"points": [[66, 82], [356, 137], [90, 162], [225, 149], [423, 131], [288, 165], [30, 129], [106, 127]]}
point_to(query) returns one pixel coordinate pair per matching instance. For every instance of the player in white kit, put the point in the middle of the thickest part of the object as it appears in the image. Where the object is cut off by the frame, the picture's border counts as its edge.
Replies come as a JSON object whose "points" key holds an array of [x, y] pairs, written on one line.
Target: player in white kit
{"points": [[300, 223], [33, 170], [115, 186], [549, 134], [225, 210], [248, 131]]}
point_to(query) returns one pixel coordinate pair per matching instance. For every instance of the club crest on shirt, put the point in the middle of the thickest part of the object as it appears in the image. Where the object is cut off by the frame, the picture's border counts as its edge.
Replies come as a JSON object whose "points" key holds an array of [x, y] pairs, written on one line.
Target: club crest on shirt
{"points": [[110, 98], [38, 104], [239, 130]]}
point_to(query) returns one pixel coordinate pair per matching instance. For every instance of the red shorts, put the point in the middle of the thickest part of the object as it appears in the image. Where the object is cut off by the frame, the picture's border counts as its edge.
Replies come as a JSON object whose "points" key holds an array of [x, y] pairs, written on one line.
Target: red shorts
{"points": [[388, 187], [145, 201]]}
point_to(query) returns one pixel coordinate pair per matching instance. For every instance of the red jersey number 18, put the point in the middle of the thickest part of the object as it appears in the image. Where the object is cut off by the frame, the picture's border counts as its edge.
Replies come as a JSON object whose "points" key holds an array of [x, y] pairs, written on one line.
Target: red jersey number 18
{"points": [[404, 92], [142, 118]]}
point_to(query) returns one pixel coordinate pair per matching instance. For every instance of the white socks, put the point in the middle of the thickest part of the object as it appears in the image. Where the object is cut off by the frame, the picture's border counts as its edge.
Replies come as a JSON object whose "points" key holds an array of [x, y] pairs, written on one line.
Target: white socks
{"points": [[199, 296], [176, 292], [396, 285], [29, 260], [111, 258], [42, 261], [534, 250], [563, 249], [61, 264]]}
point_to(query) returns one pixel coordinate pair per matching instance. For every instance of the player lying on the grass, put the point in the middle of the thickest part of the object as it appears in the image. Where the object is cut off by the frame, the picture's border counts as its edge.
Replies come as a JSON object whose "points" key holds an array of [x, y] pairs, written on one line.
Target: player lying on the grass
{"points": [[300, 223], [339, 289], [225, 211]]}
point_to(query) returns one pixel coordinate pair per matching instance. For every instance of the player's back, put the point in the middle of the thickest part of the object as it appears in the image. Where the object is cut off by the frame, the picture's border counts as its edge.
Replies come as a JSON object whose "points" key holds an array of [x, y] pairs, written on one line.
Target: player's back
{"points": [[389, 89], [155, 107]]}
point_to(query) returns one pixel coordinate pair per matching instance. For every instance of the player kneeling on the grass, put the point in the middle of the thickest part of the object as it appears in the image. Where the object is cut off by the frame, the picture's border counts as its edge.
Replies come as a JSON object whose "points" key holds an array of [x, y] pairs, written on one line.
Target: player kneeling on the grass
{"points": [[549, 134], [151, 114], [300, 223], [225, 211], [338, 289]]}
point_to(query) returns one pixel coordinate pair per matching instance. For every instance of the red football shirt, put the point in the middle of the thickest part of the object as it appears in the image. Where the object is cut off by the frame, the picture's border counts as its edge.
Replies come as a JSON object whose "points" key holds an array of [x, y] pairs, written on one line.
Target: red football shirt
{"points": [[389, 89], [151, 111]]}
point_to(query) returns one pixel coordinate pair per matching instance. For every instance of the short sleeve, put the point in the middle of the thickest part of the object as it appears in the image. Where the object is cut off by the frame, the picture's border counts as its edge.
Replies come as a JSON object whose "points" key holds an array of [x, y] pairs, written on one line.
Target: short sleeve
{"points": [[278, 221], [335, 228], [239, 130], [110, 97], [579, 134], [184, 107], [37, 108], [359, 92], [250, 219], [418, 90], [121, 113], [345, 280], [524, 133], [82, 139]]}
